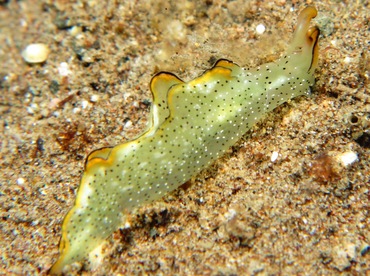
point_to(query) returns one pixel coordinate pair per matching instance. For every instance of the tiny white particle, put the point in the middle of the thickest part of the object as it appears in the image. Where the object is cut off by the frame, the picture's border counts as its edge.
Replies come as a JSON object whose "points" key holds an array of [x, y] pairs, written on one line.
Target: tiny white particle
{"points": [[76, 110], [260, 29], [84, 104], [94, 98], [30, 110], [75, 30], [128, 124], [23, 23], [21, 181], [127, 225], [63, 69], [348, 157], [274, 156], [347, 60], [230, 214]]}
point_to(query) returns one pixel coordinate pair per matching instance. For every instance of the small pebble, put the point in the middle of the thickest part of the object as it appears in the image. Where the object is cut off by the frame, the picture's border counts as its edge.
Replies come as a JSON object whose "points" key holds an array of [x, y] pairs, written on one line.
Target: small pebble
{"points": [[75, 30], [36, 53], [21, 181], [260, 29], [76, 110], [128, 124]]}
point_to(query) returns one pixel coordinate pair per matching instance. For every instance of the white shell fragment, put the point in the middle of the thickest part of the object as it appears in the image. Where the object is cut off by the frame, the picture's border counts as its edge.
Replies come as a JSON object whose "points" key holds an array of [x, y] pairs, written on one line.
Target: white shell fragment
{"points": [[36, 53], [347, 158], [274, 156]]}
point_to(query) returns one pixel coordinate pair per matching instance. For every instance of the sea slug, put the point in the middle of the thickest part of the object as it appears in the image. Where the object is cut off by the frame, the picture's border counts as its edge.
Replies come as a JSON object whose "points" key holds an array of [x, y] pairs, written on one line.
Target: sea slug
{"points": [[191, 124]]}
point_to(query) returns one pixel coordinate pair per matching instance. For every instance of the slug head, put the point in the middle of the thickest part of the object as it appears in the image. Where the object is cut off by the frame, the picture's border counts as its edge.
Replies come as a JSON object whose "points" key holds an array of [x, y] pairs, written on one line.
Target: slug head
{"points": [[305, 39]]}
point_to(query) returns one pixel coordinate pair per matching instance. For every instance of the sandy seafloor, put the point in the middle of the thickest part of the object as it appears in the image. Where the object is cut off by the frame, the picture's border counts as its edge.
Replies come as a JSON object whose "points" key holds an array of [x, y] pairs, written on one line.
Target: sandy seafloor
{"points": [[306, 213]]}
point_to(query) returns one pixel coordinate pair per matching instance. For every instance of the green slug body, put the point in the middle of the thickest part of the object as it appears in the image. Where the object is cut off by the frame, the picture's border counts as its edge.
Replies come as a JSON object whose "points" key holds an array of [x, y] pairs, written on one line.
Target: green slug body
{"points": [[191, 125]]}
